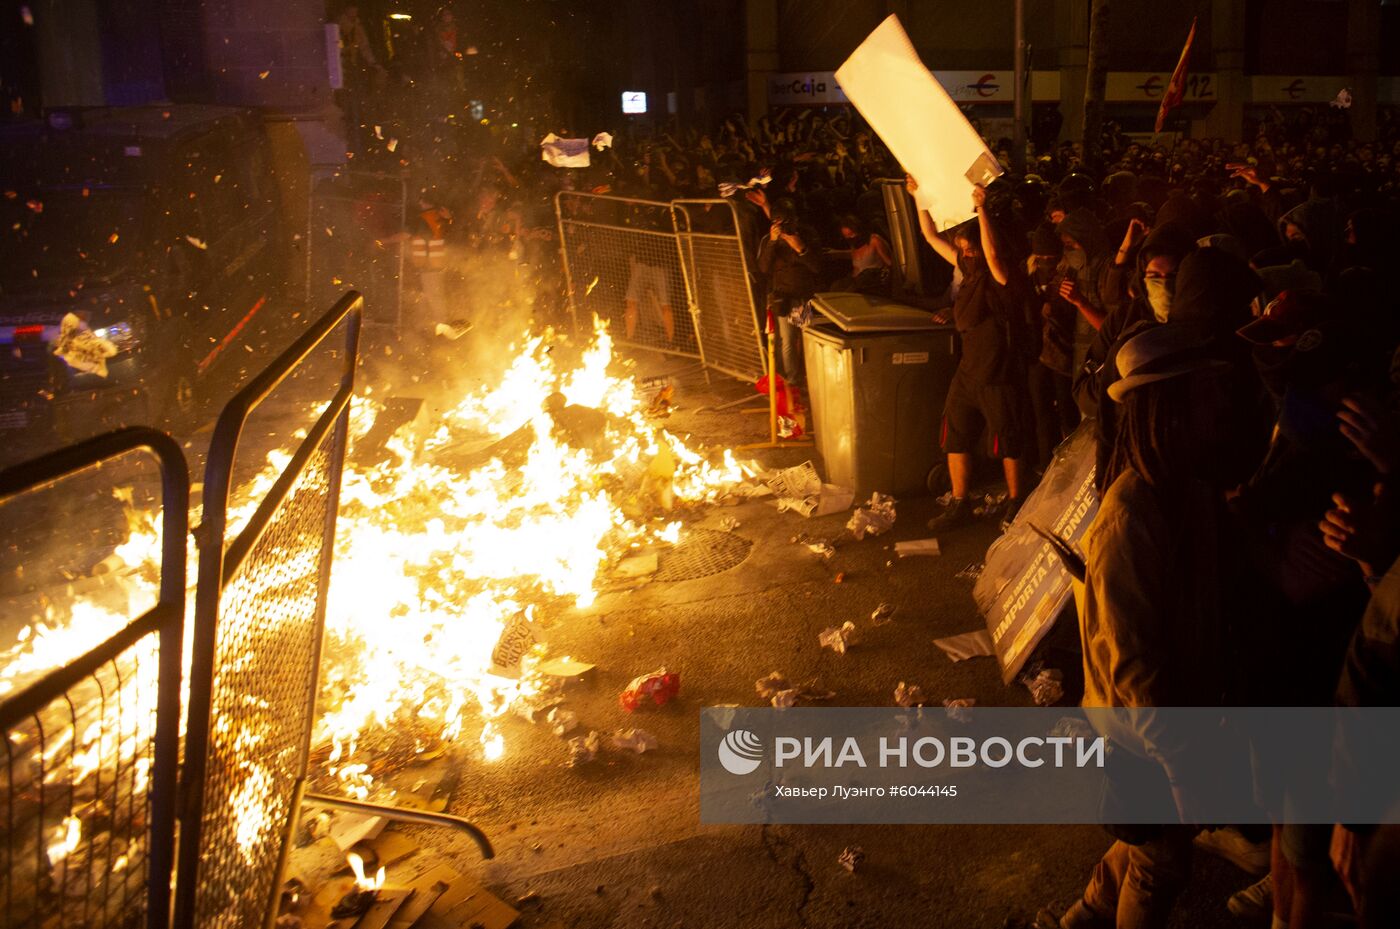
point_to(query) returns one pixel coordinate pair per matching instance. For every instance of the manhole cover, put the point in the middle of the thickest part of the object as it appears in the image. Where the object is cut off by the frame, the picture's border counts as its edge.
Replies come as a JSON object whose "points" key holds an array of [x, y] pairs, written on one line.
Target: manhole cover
{"points": [[700, 553]]}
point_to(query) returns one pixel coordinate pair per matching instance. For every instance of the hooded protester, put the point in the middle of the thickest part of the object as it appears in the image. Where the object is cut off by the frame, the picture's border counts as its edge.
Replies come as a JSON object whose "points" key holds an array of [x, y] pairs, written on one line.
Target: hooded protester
{"points": [[1248, 224], [1212, 299], [1315, 228], [1155, 615]]}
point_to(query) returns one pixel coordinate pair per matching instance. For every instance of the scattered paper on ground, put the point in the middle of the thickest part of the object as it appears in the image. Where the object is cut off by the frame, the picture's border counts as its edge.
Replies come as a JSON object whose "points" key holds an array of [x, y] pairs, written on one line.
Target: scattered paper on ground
{"points": [[966, 645], [875, 518], [914, 547], [839, 639]]}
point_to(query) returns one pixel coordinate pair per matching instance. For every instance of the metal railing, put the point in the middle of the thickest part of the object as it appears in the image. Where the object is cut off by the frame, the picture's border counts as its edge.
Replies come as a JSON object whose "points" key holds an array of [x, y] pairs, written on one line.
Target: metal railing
{"points": [[258, 623], [720, 284], [92, 748], [622, 264], [667, 276]]}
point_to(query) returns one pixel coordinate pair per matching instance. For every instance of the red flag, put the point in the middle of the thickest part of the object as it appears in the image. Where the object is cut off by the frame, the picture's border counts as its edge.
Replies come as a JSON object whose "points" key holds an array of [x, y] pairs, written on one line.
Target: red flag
{"points": [[1176, 90]]}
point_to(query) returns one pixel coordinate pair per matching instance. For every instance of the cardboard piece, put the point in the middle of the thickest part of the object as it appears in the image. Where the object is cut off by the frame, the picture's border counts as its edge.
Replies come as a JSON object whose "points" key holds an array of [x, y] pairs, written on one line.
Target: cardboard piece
{"points": [[919, 122]]}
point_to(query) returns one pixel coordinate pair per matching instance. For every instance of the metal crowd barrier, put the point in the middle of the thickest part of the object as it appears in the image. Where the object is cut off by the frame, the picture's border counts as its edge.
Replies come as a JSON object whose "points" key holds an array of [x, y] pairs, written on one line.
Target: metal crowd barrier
{"points": [[670, 277], [92, 748], [258, 622], [720, 285], [622, 264]]}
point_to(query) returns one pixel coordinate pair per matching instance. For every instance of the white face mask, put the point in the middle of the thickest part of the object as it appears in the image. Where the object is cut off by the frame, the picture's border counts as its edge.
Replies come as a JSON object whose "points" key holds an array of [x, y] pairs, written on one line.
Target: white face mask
{"points": [[1159, 294]]}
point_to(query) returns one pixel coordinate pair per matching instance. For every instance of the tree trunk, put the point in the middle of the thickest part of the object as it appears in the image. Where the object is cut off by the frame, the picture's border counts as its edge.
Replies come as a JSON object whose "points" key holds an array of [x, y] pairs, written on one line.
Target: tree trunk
{"points": [[1095, 86]]}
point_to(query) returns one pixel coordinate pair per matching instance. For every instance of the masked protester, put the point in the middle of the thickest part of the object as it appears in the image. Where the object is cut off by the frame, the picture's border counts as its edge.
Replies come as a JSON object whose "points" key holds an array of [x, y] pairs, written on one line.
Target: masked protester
{"points": [[1157, 260], [1088, 281]]}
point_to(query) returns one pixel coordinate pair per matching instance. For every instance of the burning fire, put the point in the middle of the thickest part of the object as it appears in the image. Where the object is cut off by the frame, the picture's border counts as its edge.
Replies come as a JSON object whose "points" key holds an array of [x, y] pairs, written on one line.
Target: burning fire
{"points": [[363, 883], [443, 558]]}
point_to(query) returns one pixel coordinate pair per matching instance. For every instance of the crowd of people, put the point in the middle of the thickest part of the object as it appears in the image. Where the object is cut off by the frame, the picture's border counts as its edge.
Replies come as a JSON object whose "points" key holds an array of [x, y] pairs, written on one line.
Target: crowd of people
{"points": [[1221, 314], [1217, 311]]}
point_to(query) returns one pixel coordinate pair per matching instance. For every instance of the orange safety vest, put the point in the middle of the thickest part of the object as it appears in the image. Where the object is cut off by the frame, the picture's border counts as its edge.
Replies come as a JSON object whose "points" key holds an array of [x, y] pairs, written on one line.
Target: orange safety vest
{"points": [[429, 251]]}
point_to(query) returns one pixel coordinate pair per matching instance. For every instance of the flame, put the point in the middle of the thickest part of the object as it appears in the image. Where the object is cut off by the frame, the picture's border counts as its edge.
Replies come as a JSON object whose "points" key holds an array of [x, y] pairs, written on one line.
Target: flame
{"points": [[363, 883], [436, 561], [66, 839]]}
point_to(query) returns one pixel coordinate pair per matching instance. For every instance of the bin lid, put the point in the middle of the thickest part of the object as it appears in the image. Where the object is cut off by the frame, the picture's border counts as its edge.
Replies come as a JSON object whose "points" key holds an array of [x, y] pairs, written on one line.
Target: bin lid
{"points": [[863, 313]]}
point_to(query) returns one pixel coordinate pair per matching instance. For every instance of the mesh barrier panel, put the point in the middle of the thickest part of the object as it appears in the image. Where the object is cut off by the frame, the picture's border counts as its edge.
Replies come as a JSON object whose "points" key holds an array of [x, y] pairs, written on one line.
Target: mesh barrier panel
{"points": [[76, 799], [258, 625], [268, 642], [354, 226], [87, 786], [717, 274], [623, 265]]}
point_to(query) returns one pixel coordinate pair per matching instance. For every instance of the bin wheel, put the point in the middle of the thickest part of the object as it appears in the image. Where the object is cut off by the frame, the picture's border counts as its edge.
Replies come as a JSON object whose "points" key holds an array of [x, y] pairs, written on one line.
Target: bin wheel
{"points": [[937, 481]]}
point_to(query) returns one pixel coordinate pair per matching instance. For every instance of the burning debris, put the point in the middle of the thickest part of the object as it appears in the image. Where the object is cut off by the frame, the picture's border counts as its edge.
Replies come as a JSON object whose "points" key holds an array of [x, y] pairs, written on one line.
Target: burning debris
{"points": [[454, 543]]}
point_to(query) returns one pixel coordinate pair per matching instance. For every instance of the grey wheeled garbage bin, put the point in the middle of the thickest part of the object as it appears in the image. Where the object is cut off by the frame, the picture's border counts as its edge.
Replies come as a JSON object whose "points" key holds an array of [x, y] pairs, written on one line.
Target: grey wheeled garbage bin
{"points": [[877, 375]]}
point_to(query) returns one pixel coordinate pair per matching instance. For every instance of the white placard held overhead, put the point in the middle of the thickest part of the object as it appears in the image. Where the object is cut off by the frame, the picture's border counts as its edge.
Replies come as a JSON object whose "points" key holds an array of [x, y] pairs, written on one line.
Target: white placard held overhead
{"points": [[920, 123]]}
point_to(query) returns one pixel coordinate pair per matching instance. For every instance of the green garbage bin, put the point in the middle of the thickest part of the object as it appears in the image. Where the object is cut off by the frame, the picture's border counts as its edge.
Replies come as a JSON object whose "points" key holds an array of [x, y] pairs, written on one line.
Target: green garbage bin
{"points": [[877, 376]]}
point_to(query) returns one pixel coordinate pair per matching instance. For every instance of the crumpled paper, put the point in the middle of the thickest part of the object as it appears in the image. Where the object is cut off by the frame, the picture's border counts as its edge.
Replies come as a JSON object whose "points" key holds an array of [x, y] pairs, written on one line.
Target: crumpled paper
{"points": [[875, 518], [583, 749], [1047, 687], [781, 693], [909, 695], [839, 639], [884, 613], [774, 683], [957, 708], [81, 348], [851, 858], [659, 687], [1072, 727], [633, 740], [561, 722], [564, 153], [602, 140]]}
